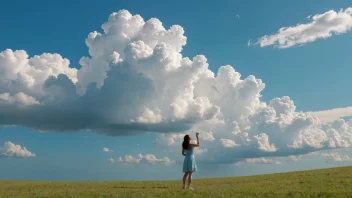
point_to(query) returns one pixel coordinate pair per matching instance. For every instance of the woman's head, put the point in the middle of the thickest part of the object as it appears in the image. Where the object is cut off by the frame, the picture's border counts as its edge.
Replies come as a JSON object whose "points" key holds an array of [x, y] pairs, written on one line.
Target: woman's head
{"points": [[186, 141]]}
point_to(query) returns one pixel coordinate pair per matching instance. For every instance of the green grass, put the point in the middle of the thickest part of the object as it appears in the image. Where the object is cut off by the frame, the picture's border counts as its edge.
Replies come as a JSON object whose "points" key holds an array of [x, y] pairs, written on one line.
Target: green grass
{"points": [[334, 182]]}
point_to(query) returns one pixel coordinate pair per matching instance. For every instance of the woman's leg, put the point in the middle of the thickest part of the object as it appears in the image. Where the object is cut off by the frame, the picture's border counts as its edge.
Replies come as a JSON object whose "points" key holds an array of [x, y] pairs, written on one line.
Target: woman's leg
{"points": [[189, 179], [184, 179]]}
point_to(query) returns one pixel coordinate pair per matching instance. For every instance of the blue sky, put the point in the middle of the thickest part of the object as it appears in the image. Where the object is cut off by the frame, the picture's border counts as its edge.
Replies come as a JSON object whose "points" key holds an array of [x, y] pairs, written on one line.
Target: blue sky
{"points": [[315, 76]]}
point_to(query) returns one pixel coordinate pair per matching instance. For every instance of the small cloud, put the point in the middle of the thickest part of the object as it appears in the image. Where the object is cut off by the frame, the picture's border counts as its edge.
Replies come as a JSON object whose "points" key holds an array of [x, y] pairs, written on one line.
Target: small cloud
{"points": [[207, 136], [261, 160], [107, 150], [148, 158], [12, 150], [111, 160], [295, 157], [336, 157], [199, 151], [227, 143], [321, 26], [249, 43], [169, 139]]}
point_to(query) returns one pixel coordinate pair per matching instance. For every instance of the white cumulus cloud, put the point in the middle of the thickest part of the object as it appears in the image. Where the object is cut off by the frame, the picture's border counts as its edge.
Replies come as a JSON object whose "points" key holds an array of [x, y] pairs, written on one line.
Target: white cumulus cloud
{"points": [[148, 158], [12, 150], [321, 26]]}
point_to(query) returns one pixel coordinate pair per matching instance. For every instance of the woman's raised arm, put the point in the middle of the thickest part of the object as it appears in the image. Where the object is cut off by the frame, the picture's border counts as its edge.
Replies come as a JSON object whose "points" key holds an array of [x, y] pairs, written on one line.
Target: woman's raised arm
{"points": [[198, 143]]}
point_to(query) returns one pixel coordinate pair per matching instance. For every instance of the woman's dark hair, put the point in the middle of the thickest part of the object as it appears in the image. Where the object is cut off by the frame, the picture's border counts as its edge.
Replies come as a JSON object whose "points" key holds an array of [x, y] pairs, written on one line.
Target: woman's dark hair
{"points": [[185, 143]]}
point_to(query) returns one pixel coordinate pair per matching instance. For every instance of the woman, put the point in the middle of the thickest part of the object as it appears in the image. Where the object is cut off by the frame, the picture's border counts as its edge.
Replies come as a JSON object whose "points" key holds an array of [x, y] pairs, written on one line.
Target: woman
{"points": [[189, 163]]}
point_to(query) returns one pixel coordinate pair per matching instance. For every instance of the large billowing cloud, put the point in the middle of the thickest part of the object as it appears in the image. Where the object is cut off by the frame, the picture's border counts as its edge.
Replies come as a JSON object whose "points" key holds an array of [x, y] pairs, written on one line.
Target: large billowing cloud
{"points": [[135, 80], [321, 26]]}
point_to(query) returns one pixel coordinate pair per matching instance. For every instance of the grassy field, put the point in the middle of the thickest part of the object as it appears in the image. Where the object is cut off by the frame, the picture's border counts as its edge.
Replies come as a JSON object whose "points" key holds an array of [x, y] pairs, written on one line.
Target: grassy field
{"points": [[335, 182]]}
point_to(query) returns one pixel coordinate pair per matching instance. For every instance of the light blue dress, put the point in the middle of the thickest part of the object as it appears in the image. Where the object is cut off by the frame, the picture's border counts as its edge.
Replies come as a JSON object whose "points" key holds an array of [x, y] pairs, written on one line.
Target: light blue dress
{"points": [[189, 163]]}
